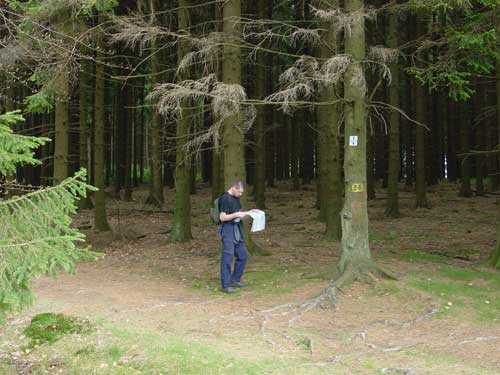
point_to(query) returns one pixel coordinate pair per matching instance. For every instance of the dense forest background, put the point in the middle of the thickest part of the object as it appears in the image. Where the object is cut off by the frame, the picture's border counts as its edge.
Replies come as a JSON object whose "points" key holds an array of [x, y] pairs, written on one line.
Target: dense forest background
{"points": [[349, 95]]}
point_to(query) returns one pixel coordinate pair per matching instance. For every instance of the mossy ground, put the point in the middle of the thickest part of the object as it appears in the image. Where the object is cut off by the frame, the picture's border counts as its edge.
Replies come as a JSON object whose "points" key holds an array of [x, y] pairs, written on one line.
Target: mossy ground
{"points": [[47, 328]]}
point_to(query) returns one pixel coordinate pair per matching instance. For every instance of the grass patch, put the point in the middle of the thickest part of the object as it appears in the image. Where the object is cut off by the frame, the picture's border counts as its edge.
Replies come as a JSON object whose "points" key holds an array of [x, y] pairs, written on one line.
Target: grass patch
{"points": [[461, 290], [470, 275], [383, 236], [47, 328], [6, 369], [259, 283], [129, 350], [412, 255], [274, 282]]}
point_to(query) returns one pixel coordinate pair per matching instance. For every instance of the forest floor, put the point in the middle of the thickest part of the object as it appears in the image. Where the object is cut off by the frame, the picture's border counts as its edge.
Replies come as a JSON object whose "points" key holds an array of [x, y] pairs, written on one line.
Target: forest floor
{"points": [[156, 307]]}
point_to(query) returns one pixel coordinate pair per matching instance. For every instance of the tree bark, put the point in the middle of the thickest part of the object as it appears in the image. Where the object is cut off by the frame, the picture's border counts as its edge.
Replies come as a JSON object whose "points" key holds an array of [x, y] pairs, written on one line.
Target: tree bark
{"points": [[392, 207], [261, 79], [61, 139], [84, 133], [370, 166], [216, 178], [307, 149], [156, 193], [181, 227], [328, 120], [295, 144], [465, 172], [233, 139], [420, 115], [119, 94], [495, 256], [479, 131], [355, 255], [452, 144], [271, 147], [130, 123], [100, 220]]}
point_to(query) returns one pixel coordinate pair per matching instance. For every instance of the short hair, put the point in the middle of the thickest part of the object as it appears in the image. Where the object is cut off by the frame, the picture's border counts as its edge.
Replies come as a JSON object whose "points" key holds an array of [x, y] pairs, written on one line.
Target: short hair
{"points": [[236, 183]]}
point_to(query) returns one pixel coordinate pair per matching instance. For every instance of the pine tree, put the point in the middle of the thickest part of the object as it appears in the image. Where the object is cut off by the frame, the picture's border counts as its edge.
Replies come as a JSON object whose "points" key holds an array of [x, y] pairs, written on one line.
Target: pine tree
{"points": [[35, 233]]}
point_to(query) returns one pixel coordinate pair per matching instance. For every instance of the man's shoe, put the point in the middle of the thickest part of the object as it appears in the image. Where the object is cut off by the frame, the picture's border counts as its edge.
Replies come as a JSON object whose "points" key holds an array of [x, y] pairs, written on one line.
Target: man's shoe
{"points": [[229, 290], [238, 284]]}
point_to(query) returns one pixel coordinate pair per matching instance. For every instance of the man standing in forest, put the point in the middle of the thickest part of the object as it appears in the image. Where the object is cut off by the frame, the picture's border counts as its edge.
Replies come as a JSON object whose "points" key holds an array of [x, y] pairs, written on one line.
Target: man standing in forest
{"points": [[233, 242]]}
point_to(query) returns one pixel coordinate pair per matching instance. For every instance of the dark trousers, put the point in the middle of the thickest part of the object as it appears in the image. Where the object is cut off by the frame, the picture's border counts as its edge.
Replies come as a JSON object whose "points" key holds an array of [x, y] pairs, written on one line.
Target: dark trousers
{"points": [[231, 250]]}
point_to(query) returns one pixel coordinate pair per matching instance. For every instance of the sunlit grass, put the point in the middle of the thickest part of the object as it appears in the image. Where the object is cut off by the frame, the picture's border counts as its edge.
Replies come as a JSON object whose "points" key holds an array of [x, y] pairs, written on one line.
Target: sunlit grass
{"points": [[462, 290]]}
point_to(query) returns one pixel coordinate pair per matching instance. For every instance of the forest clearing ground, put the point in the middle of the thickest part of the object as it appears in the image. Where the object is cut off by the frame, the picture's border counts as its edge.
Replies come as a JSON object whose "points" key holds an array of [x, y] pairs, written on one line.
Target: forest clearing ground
{"points": [[442, 316]]}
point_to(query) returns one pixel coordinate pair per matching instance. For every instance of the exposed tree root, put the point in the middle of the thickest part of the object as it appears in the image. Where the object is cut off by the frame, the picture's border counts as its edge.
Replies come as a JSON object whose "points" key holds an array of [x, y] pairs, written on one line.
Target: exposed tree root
{"points": [[367, 272]]}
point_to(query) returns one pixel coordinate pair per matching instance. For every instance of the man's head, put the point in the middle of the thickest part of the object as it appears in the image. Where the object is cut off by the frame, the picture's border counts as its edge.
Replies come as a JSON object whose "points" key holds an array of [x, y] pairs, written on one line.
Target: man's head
{"points": [[236, 188]]}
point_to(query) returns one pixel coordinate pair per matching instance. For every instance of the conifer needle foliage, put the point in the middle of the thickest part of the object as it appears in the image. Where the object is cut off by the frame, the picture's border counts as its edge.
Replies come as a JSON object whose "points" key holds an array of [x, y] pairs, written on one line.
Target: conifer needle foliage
{"points": [[35, 233]]}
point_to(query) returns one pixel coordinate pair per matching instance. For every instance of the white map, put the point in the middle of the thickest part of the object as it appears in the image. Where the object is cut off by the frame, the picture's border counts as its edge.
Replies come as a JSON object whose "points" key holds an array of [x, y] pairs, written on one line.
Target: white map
{"points": [[259, 220]]}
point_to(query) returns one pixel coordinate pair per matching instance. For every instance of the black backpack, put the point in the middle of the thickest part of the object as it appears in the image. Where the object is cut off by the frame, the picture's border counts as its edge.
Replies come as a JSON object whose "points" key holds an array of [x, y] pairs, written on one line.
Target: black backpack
{"points": [[215, 211]]}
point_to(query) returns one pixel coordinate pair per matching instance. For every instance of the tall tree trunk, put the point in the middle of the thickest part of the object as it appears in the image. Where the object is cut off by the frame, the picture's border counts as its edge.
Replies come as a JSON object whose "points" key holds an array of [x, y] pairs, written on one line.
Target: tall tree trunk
{"points": [[216, 178], [61, 140], [137, 137], [406, 130], [307, 149], [439, 126], [156, 193], [141, 139], [119, 131], [233, 139], [285, 147], [392, 207], [465, 172], [130, 124], [452, 144], [370, 166], [443, 126], [271, 132], [295, 144], [100, 220], [261, 85], [480, 161], [271, 147], [355, 255], [495, 256], [380, 151], [84, 133], [328, 118], [193, 172], [420, 115], [206, 164], [432, 140], [181, 227]]}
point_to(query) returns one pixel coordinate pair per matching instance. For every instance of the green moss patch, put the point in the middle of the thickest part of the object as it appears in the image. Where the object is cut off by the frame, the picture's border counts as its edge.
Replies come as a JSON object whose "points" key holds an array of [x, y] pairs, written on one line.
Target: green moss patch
{"points": [[47, 328]]}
